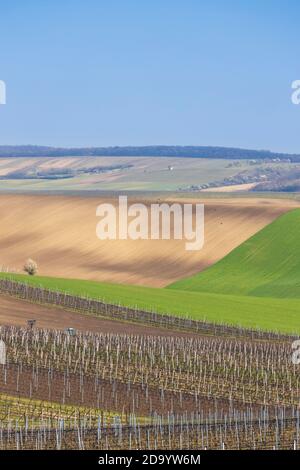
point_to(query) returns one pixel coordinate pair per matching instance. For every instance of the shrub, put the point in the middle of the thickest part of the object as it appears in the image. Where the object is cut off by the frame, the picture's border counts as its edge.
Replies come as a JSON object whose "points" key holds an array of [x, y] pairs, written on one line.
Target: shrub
{"points": [[30, 267]]}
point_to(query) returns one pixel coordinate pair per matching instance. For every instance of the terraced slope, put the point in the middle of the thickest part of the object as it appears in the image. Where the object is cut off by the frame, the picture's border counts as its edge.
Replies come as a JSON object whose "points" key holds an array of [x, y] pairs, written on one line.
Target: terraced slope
{"points": [[266, 265]]}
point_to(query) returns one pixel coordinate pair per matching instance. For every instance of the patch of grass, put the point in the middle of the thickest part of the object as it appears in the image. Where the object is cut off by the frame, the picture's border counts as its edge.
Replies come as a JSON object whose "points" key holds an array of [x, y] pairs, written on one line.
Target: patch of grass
{"points": [[18, 409], [250, 312], [266, 265]]}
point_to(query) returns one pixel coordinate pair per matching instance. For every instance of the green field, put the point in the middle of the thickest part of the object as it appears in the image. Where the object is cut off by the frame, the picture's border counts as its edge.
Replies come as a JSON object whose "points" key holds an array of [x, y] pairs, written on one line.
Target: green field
{"points": [[264, 313], [266, 265]]}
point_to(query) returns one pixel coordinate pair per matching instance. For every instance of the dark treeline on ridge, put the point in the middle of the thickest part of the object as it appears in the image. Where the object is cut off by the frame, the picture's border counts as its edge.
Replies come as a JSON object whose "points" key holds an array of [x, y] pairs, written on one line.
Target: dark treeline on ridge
{"points": [[146, 151]]}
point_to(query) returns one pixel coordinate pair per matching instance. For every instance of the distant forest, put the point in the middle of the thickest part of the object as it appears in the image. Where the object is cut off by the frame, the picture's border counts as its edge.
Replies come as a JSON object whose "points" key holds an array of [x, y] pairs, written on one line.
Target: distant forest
{"points": [[147, 151]]}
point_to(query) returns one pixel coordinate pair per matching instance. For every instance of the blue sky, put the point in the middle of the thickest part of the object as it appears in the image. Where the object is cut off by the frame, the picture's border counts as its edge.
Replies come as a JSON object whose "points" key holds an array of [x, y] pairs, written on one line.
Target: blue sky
{"points": [[125, 72]]}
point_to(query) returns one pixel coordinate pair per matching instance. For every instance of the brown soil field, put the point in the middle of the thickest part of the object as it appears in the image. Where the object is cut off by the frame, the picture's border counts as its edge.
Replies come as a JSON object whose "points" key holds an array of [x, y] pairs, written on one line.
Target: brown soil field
{"points": [[59, 233], [16, 313]]}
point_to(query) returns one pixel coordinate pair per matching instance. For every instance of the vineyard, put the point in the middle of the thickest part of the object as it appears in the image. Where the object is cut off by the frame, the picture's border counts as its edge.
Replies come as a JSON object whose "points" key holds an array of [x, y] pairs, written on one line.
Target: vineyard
{"points": [[89, 306], [105, 391]]}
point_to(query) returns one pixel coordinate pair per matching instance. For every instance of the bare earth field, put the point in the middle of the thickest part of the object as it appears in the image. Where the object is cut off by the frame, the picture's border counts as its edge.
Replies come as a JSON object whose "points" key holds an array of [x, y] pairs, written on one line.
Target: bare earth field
{"points": [[16, 313], [59, 232]]}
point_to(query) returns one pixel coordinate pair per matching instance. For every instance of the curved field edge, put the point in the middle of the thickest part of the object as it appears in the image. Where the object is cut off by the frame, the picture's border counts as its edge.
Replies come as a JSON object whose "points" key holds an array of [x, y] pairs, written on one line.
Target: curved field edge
{"points": [[266, 265], [280, 315]]}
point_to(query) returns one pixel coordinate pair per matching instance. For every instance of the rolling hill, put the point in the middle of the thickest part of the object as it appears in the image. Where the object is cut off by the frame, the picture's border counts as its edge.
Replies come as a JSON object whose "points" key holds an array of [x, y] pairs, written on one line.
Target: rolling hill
{"points": [[256, 285], [59, 233], [266, 265]]}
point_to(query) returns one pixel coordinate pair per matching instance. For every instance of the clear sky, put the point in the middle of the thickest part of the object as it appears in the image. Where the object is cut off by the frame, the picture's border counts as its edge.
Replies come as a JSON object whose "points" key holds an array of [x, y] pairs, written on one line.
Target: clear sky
{"points": [[142, 72]]}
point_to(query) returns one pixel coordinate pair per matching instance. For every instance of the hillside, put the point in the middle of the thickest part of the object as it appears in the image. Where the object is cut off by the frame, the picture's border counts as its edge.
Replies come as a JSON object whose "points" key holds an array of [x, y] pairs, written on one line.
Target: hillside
{"points": [[266, 265], [59, 233]]}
